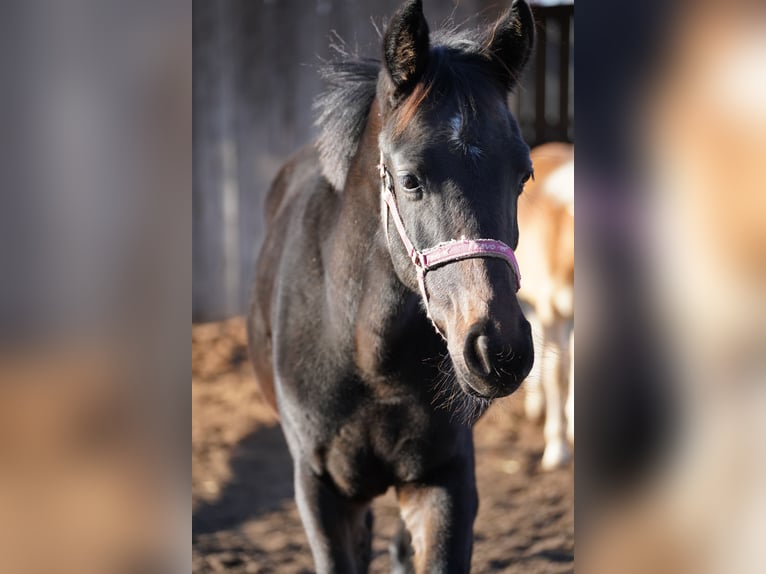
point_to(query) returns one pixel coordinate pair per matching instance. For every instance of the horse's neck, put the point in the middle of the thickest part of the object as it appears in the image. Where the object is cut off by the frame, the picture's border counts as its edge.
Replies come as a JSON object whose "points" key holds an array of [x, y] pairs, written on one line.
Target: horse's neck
{"points": [[359, 254], [375, 305]]}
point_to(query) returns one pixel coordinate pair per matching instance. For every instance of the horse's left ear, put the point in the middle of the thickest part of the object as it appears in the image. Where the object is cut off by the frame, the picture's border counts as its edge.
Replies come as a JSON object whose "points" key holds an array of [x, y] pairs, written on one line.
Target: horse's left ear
{"points": [[511, 40], [405, 47]]}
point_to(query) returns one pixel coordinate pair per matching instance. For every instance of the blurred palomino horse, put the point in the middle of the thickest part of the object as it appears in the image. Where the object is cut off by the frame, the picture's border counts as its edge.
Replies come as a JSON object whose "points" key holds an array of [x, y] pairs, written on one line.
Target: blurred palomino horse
{"points": [[546, 254]]}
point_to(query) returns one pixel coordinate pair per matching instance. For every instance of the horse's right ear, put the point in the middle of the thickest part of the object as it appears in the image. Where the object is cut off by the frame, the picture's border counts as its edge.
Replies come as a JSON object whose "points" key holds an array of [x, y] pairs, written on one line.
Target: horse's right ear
{"points": [[405, 48]]}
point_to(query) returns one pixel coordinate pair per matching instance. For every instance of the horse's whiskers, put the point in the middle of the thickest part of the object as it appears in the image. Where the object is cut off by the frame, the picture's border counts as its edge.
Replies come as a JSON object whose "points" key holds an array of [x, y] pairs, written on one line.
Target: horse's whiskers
{"points": [[448, 395], [504, 355]]}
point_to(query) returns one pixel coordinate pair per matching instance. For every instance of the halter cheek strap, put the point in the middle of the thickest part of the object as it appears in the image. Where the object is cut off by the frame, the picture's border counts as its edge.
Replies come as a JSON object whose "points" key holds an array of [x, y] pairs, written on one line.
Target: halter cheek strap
{"points": [[443, 253]]}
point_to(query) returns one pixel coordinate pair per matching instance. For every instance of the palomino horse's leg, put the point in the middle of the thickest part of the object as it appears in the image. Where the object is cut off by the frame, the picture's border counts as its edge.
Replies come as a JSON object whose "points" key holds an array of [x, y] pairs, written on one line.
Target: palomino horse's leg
{"points": [[534, 398], [339, 530], [438, 516], [554, 361], [570, 397]]}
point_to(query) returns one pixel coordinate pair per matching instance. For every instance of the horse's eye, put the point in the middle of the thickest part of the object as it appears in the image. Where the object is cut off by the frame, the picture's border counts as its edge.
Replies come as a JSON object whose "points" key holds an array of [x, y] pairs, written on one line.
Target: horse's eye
{"points": [[524, 180], [409, 182]]}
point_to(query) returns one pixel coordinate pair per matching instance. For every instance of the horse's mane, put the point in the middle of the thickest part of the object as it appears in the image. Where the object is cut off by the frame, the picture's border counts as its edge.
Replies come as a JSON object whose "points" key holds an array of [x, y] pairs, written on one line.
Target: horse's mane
{"points": [[351, 81], [342, 112]]}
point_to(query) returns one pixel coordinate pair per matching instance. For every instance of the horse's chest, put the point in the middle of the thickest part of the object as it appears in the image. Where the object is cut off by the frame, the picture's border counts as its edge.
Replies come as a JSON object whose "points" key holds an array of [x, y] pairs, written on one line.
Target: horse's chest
{"points": [[386, 444]]}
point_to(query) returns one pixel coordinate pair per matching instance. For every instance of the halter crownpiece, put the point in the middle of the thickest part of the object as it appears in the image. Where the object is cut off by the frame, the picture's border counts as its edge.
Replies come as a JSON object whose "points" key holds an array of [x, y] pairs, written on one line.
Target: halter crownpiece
{"points": [[443, 253]]}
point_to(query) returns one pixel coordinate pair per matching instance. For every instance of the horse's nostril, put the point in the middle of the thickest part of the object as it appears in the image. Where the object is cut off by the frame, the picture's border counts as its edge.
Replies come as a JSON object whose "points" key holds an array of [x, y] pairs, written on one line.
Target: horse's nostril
{"points": [[482, 351], [478, 355]]}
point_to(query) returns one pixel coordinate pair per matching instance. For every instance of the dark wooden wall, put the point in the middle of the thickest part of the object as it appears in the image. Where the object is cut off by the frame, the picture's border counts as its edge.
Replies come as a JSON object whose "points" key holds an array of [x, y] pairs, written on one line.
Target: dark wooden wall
{"points": [[254, 65]]}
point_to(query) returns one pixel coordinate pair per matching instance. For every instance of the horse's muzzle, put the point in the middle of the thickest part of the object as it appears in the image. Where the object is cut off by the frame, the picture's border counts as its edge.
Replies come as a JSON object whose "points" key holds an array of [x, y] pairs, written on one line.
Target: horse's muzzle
{"points": [[496, 365]]}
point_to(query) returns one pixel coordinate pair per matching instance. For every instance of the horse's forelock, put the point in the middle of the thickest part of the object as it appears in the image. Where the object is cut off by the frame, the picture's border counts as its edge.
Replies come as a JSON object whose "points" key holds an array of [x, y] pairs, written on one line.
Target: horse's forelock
{"points": [[410, 106], [457, 60], [455, 75]]}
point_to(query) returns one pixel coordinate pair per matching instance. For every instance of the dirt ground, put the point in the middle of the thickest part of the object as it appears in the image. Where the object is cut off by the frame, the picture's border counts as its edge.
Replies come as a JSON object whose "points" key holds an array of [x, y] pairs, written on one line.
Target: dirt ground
{"points": [[244, 517]]}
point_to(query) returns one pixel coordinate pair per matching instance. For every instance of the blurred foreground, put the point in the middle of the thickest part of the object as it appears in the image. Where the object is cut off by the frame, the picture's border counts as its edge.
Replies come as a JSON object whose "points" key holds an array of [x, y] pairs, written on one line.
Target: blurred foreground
{"points": [[95, 274], [671, 283], [84, 480]]}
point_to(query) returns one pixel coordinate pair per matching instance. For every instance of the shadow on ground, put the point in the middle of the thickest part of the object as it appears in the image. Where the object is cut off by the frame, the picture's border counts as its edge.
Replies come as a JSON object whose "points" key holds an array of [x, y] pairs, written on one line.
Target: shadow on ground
{"points": [[261, 471]]}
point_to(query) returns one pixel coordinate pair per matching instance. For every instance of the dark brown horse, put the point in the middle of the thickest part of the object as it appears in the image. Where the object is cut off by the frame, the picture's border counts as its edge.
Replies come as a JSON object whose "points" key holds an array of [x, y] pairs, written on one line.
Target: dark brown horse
{"points": [[384, 317]]}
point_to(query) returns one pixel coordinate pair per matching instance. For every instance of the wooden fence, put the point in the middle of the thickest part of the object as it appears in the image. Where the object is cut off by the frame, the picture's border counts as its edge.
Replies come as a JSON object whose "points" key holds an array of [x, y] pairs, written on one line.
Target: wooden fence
{"points": [[254, 65]]}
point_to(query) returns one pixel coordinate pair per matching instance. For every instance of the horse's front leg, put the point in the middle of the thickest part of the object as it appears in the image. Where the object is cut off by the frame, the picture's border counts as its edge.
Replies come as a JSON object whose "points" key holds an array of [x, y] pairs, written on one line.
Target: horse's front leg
{"points": [[534, 396], [439, 515], [339, 529], [554, 364], [570, 396]]}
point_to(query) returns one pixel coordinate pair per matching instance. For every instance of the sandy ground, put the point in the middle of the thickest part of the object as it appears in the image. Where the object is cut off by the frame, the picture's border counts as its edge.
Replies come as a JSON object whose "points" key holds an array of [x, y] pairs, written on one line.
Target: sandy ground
{"points": [[244, 517]]}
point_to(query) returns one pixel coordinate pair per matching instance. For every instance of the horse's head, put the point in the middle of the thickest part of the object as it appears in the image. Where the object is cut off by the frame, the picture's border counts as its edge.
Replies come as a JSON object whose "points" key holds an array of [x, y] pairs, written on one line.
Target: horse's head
{"points": [[455, 164]]}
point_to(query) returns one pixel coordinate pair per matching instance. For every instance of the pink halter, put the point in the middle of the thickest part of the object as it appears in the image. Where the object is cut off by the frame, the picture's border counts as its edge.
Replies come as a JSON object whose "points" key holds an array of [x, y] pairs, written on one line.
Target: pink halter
{"points": [[443, 253]]}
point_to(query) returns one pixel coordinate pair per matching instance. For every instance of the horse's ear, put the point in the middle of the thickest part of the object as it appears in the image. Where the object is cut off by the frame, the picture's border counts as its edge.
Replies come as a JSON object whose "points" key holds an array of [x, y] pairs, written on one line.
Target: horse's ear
{"points": [[405, 47], [510, 42]]}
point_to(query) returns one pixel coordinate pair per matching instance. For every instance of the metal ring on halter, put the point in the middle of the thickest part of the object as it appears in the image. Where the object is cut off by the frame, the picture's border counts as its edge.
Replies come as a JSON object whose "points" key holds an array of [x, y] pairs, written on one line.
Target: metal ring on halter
{"points": [[441, 254]]}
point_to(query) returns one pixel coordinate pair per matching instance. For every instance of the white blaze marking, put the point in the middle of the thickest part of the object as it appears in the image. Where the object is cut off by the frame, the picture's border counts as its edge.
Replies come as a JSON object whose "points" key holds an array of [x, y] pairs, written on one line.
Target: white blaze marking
{"points": [[458, 138], [457, 123], [473, 150]]}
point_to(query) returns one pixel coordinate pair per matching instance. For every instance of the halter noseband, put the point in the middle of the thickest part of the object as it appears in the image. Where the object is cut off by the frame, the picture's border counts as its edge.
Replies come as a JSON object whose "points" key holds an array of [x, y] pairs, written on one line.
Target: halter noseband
{"points": [[443, 253]]}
